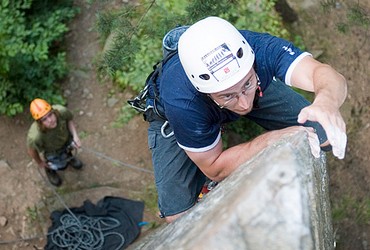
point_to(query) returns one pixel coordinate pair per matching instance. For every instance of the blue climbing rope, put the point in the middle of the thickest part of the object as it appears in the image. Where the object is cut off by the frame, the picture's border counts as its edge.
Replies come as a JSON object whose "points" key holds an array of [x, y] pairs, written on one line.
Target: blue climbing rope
{"points": [[88, 233]]}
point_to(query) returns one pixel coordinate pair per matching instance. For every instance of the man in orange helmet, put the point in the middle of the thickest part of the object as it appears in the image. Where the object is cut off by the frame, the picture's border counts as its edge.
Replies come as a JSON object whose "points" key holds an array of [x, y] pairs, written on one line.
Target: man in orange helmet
{"points": [[51, 138]]}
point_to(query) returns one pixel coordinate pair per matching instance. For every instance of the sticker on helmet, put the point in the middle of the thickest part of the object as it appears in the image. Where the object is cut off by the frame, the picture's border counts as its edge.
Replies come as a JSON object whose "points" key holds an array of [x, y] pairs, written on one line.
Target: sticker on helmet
{"points": [[221, 62]]}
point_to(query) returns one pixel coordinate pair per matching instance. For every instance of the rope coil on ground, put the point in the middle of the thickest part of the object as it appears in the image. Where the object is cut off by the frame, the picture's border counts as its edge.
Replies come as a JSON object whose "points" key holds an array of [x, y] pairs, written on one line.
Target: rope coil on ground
{"points": [[80, 232], [88, 233]]}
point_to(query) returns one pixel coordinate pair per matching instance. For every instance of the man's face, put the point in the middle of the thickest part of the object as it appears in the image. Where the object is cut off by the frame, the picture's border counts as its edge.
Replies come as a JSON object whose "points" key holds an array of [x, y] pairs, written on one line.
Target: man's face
{"points": [[49, 120], [238, 98]]}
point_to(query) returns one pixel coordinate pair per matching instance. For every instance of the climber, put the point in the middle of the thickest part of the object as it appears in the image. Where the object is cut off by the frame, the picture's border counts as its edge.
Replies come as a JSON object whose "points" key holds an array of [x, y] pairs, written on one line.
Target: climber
{"points": [[52, 139], [221, 74]]}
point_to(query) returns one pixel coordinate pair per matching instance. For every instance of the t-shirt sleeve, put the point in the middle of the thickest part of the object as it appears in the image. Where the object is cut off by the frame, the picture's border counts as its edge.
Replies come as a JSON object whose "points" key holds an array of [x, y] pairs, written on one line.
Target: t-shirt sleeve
{"points": [[275, 57], [32, 137], [193, 130]]}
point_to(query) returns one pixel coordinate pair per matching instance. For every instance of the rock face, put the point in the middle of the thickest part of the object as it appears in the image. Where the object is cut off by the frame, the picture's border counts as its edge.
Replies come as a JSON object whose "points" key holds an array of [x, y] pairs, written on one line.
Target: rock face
{"points": [[278, 200]]}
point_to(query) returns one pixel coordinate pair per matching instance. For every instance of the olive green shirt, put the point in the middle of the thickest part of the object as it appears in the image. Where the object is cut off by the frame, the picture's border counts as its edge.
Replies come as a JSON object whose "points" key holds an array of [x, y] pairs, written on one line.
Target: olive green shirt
{"points": [[52, 140]]}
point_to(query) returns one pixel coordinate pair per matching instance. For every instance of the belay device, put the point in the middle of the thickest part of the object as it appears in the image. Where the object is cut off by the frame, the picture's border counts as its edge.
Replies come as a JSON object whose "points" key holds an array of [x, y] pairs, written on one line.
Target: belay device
{"points": [[146, 101]]}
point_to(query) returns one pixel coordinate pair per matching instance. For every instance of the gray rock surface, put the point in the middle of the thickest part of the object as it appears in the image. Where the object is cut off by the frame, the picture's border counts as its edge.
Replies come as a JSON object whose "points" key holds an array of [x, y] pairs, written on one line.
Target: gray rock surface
{"points": [[278, 200]]}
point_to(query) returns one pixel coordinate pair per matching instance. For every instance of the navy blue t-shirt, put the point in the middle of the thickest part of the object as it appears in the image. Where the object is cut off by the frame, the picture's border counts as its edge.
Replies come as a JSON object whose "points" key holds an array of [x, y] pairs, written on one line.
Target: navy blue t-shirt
{"points": [[195, 119]]}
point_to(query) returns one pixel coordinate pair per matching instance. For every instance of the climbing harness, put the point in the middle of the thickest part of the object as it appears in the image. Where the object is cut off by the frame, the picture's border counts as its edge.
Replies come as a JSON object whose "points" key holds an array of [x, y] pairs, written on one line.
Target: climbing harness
{"points": [[59, 160], [147, 100]]}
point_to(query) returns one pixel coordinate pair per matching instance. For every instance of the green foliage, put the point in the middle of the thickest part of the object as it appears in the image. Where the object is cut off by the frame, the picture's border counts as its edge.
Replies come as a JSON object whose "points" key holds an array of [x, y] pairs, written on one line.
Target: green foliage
{"points": [[83, 134], [133, 39], [32, 213], [133, 35], [126, 114], [350, 207], [327, 5], [357, 16], [244, 128], [257, 16], [200, 9], [342, 27], [31, 59], [149, 196]]}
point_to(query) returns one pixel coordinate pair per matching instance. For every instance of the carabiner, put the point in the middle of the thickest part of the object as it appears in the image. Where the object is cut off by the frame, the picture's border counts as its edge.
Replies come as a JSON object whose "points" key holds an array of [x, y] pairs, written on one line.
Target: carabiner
{"points": [[165, 124]]}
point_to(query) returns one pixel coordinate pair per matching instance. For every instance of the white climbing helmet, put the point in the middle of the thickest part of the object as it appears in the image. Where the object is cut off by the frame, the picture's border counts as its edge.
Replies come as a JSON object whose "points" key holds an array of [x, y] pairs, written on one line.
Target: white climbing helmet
{"points": [[214, 54]]}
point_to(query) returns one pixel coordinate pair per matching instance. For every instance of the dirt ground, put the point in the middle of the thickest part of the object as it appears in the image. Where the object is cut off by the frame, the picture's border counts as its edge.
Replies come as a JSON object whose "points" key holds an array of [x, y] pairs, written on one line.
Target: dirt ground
{"points": [[117, 161]]}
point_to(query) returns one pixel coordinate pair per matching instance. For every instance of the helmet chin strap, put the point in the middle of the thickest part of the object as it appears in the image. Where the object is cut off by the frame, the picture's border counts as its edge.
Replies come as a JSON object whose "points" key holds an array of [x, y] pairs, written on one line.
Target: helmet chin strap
{"points": [[259, 90], [258, 94]]}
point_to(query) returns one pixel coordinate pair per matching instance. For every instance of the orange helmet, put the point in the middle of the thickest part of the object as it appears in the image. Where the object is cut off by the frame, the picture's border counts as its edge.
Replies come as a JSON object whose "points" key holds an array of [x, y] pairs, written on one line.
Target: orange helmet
{"points": [[39, 108]]}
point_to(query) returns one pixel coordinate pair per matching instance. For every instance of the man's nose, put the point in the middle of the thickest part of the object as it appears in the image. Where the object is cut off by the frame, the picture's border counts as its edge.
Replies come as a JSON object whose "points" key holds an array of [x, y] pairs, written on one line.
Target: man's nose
{"points": [[243, 101]]}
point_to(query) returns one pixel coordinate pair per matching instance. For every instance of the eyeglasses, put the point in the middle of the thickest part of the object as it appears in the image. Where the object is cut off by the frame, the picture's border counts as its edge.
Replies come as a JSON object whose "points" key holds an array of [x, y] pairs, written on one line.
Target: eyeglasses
{"points": [[45, 117], [232, 99]]}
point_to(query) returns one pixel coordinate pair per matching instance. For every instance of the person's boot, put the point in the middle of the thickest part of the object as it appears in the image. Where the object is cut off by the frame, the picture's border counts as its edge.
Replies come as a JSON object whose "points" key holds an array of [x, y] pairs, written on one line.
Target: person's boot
{"points": [[76, 163], [53, 177]]}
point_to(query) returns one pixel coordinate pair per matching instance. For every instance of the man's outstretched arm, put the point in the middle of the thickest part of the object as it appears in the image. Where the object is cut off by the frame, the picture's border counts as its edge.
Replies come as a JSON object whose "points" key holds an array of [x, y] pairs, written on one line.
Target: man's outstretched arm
{"points": [[330, 89], [217, 163]]}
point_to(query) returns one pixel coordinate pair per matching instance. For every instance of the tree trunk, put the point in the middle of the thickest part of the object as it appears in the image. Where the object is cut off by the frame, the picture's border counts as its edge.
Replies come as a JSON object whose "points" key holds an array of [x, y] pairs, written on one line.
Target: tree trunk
{"points": [[285, 11]]}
